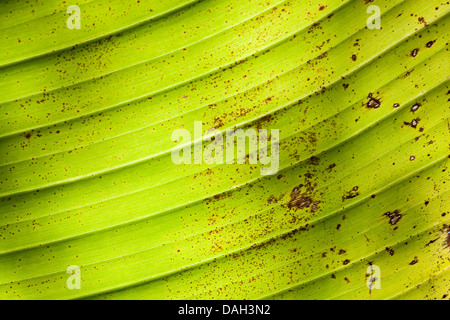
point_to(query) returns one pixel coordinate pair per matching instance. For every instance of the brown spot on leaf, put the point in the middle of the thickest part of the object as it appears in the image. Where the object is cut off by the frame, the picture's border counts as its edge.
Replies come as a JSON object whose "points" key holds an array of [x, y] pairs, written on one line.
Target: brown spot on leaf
{"points": [[414, 261], [299, 201], [393, 216], [314, 160], [390, 251], [415, 107], [302, 200], [413, 123], [331, 166], [430, 43], [422, 20], [351, 194], [373, 103], [447, 235]]}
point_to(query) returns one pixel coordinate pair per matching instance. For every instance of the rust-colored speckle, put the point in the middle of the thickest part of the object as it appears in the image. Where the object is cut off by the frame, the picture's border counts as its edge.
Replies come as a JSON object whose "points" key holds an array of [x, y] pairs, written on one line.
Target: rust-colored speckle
{"points": [[301, 200], [415, 260], [351, 194]]}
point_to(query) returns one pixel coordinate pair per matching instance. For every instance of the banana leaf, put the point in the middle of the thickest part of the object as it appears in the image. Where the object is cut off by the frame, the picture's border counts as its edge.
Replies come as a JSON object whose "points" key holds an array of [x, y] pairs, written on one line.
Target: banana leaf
{"points": [[358, 207]]}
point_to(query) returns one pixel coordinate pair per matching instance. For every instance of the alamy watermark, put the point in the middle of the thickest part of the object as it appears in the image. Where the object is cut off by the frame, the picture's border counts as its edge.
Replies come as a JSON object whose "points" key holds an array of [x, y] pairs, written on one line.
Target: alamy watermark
{"points": [[374, 21], [74, 21], [374, 280], [237, 146], [74, 281]]}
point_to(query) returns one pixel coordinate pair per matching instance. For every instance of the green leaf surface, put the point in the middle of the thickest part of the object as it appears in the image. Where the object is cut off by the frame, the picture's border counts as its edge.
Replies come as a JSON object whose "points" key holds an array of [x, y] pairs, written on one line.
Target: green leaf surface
{"points": [[87, 178]]}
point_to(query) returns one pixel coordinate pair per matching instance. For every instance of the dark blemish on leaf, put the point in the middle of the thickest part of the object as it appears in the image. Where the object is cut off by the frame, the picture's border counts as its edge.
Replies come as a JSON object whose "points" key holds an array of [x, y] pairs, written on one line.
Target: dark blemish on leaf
{"points": [[268, 99], [342, 251], [314, 26], [299, 201], [333, 276], [218, 123], [345, 85], [446, 230], [338, 226], [422, 20], [414, 261], [331, 166], [394, 216], [413, 123], [346, 262], [28, 136], [322, 7], [396, 105], [314, 160], [373, 103], [261, 122], [302, 200], [415, 107], [274, 199], [390, 251], [323, 55], [218, 197], [431, 242], [412, 158], [414, 52], [351, 194], [354, 57], [430, 43], [314, 206]]}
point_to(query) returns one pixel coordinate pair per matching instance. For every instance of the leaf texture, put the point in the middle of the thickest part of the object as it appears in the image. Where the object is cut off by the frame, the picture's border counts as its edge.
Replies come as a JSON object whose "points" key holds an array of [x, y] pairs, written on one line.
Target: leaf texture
{"points": [[87, 179]]}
